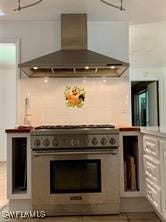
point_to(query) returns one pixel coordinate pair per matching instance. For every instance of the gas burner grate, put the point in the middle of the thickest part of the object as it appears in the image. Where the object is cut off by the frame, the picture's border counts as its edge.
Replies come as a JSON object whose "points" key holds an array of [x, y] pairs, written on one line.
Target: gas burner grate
{"points": [[74, 126]]}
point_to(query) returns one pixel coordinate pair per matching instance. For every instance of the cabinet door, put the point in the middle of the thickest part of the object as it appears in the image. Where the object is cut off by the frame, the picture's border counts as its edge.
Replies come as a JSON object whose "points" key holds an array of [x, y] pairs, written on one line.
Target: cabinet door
{"points": [[153, 194], [163, 175], [152, 170], [151, 146]]}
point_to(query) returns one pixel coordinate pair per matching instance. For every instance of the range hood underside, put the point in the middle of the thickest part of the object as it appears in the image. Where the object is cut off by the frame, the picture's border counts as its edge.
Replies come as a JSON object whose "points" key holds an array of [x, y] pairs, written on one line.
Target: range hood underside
{"points": [[74, 63], [73, 72]]}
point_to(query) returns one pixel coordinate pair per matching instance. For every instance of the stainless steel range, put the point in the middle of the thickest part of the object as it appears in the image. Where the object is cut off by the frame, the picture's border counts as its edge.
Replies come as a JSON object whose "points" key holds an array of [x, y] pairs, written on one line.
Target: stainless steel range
{"points": [[75, 169]]}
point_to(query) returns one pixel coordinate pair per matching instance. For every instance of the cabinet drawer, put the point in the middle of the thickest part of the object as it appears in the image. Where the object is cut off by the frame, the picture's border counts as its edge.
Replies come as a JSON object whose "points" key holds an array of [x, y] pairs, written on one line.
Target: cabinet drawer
{"points": [[152, 170], [151, 146], [153, 194]]}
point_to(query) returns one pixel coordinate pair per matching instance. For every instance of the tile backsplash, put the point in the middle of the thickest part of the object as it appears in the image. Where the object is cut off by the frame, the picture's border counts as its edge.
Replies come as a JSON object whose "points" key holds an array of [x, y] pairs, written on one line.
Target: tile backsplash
{"points": [[106, 101]]}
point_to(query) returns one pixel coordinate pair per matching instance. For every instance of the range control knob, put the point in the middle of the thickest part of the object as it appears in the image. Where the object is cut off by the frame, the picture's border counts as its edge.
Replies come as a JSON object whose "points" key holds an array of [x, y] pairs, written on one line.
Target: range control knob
{"points": [[75, 142], [55, 142], [103, 141], [46, 142], [86, 141], [94, 141], [112, 141], [37, 142]]}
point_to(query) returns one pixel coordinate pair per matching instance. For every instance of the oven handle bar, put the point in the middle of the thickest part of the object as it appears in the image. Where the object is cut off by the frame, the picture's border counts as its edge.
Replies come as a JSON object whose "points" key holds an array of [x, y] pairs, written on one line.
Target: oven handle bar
{"points": [[113, 152]]}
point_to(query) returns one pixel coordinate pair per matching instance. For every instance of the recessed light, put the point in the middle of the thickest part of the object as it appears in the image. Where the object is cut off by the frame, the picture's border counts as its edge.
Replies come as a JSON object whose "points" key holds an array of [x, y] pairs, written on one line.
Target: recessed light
{"points": [[112, 67], [86, 67], [35, 67], [2, 13]]}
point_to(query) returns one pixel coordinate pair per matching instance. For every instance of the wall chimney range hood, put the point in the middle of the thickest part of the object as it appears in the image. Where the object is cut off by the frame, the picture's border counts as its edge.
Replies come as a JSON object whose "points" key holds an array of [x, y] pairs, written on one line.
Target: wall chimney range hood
{"points": [[74, 59]]}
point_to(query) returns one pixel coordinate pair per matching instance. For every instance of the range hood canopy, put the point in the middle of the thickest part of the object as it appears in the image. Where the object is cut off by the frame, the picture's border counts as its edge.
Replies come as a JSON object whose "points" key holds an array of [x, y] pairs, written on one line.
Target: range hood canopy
{"points": [[74, 59]]}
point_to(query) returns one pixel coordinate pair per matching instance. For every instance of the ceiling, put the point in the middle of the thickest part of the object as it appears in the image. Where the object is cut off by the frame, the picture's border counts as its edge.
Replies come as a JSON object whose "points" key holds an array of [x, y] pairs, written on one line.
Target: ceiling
{"points": [[137, 11]]}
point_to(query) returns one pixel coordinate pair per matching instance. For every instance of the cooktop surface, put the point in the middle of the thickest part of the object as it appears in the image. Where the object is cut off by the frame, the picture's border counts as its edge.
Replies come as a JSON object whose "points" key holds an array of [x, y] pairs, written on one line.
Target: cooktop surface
{"points": [[74, 126]]}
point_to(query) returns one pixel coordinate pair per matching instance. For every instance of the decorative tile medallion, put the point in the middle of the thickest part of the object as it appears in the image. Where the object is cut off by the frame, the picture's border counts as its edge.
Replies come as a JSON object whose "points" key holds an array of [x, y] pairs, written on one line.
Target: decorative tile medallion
{"points": [[75, 96]]}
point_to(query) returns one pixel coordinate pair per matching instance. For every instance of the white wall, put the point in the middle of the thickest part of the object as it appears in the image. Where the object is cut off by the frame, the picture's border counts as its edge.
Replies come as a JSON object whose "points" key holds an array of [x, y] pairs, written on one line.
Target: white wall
{"points": [[42, 37], [147, 45], [104, 103], [147, 50], [109, 38], [37, 38], [7, 106]]}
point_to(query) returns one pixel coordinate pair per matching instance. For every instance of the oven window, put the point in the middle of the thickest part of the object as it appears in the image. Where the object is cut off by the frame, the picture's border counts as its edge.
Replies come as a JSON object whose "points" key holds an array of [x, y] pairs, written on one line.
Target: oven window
{"points": [[75, 176]]}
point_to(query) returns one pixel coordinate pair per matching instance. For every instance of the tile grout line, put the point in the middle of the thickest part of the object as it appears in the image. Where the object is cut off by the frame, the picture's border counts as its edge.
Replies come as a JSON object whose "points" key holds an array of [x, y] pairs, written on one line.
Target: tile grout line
{"points": [[128, 219]]}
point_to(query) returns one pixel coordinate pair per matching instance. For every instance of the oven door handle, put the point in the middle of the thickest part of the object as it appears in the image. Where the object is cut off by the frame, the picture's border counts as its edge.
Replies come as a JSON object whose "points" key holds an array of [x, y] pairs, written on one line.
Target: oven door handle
{"points": [[113, 152]]}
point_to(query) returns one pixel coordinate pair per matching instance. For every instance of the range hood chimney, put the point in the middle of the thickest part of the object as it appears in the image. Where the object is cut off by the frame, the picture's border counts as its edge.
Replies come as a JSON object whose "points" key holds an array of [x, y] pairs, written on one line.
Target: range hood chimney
{"points": [[74, 59]]}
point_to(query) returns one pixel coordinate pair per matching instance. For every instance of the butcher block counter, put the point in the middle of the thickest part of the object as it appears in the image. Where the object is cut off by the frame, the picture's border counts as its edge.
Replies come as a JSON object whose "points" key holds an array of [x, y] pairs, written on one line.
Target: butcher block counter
{"points": [[27, 129], [20, 129], [128, 128]]}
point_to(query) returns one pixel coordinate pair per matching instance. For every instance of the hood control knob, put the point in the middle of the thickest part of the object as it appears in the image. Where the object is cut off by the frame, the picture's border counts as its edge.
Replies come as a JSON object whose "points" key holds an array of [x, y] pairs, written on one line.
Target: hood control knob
{"points": [[103, 141], [94, 141], [46, 142]]}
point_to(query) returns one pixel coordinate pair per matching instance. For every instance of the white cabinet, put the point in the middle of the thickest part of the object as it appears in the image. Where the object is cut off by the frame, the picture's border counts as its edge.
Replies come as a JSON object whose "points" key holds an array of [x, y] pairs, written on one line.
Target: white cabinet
{"points": [[153, 194], [163, 175], [151, 146], [131, 164], [152, 170], [155, 171], [18, 166]]}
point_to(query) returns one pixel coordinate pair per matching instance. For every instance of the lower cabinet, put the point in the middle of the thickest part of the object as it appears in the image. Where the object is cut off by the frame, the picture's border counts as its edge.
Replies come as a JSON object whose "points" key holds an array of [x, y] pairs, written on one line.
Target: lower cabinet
{"points": [[19, 166], [153, 194], [155, 172], [163, 176]]}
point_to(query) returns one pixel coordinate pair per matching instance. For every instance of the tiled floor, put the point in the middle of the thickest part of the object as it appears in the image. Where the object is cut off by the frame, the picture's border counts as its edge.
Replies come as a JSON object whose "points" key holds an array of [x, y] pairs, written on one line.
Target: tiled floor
{"points": [[123, 217]]}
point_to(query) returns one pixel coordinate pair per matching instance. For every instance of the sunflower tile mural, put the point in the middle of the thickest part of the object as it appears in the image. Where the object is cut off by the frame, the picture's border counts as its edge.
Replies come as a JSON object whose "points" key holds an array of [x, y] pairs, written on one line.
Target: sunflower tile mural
{"points": [[74, 96]]}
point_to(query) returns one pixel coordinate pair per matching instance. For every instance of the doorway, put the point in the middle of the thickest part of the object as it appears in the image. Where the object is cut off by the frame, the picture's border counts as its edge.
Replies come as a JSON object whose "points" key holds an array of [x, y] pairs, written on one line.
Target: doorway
{"points": [[8, 101], [8, 69], [145, 103]]}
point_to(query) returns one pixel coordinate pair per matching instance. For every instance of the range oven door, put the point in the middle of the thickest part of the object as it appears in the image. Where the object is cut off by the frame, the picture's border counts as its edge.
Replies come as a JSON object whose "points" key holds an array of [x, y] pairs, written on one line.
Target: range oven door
{"points": [[75, 178]]}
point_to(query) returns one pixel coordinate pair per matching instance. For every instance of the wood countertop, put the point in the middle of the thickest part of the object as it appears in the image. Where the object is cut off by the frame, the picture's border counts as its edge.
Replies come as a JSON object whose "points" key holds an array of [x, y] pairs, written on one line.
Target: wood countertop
{"points": [[129, 128], [27, 129], [20, 129]]}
